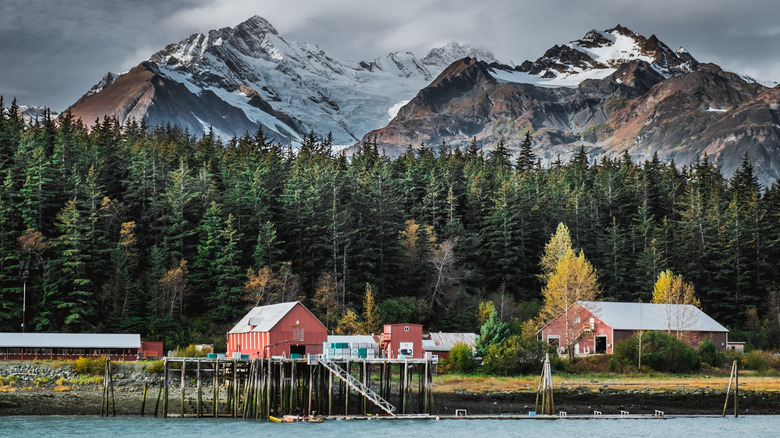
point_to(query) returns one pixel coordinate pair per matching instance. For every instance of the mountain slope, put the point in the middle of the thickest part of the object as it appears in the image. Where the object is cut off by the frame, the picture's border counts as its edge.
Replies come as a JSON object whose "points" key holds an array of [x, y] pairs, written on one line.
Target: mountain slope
{"points": [[236, 79], [610, 92]]}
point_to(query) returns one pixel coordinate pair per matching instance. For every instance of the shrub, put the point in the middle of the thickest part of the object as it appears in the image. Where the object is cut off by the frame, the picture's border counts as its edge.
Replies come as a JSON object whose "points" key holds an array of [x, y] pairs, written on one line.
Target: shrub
{"points": [[660, 352], [461, 359], [87, 380], [191, 351], [709, 354], [86, 365], [515, 356], [38, 381], [756, 360], [154, 367]]}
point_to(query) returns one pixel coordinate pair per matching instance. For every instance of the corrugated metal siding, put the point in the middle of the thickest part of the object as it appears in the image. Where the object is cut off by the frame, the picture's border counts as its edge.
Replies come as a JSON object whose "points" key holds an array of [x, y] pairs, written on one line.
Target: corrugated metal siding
{"points": [[70, 340]]}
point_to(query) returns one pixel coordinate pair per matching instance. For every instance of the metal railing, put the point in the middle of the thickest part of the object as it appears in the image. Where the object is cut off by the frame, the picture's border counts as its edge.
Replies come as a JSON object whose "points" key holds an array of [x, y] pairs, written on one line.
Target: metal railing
{"points": [[357, 385]]}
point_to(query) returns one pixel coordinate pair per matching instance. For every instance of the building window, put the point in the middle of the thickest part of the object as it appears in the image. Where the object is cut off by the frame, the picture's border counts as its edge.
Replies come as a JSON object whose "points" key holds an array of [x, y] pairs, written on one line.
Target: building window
{"points": [[406, 328], [576, 319], [298, 334]]}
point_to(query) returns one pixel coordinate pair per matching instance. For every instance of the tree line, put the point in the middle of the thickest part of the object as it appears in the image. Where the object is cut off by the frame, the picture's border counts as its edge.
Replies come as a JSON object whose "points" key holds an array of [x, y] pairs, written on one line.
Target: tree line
{"points": [[150, 229]]}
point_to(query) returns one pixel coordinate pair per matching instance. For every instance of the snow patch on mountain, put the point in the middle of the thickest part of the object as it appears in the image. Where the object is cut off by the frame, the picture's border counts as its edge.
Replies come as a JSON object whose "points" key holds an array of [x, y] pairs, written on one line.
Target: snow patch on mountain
{"points": [[393, 111], [569, 80]]}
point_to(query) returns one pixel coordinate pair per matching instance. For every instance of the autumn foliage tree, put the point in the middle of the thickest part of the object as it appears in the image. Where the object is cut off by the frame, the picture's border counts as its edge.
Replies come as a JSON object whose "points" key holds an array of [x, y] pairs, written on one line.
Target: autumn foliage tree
{"points": [[571, 278], [676, 294]]}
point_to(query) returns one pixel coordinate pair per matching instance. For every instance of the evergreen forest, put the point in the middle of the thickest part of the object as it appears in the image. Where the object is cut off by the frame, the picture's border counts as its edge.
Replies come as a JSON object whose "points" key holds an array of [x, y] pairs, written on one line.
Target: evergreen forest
{"points": [[151, 230]]}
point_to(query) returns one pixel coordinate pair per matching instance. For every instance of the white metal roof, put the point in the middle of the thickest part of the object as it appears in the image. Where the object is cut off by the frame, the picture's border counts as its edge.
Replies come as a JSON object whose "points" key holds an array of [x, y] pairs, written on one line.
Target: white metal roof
{"points": [[650, 316], [70, 340], [263, 318], [445, 341], [352, 339]]}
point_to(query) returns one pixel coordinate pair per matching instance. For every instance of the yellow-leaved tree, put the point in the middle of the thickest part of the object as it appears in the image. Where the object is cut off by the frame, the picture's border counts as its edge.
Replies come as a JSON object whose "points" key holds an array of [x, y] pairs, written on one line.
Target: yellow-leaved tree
{"points": [[676, 293], [570, 277]]}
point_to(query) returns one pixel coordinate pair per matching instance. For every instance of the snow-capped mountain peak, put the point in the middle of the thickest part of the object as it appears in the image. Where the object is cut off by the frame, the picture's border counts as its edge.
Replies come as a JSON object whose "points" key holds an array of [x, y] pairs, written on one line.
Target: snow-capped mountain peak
{"points": [[453, 51], [597, 55], [288, 88]]}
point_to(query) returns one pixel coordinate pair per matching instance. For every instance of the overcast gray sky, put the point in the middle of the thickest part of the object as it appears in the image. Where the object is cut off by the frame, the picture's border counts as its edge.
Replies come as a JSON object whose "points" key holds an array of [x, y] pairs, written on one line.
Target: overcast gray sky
{"points": [[52, 51]]}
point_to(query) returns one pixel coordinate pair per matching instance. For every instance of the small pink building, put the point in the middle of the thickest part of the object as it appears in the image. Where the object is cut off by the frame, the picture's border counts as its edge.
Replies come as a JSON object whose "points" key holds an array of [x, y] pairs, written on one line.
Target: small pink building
{"points": [[402, 341], [286, 329], [596, 326]]}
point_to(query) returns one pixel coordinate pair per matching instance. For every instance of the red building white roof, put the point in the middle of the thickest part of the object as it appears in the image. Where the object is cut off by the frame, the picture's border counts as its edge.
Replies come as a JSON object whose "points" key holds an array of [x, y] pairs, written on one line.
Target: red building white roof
{"points": [[263, 318]]}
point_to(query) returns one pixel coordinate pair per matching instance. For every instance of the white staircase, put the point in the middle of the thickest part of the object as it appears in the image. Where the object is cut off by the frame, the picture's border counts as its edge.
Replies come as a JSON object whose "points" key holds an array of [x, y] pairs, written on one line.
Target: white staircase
{"points": [[358, 386]]}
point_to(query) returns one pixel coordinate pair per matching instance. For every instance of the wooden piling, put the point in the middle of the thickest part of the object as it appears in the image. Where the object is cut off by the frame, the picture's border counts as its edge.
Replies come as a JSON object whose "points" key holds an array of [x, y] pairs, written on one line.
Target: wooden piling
{"points": [[111, 382], [199, 407], [165, 388], [261, 387], [143, 397], [235, 389], [215, 390], [183, 382], [159, 394]]}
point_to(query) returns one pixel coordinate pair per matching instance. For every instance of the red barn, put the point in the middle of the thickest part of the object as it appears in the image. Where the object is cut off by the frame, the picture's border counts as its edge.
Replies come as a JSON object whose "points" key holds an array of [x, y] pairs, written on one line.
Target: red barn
{"points": [[596, 326], [402, 341], [286, 329]]}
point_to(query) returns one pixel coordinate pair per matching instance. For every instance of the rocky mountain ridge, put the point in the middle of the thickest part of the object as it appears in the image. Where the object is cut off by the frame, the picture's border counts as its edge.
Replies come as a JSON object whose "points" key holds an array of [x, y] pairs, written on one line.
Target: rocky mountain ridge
{"points": [[611, 92], [234, 80]]}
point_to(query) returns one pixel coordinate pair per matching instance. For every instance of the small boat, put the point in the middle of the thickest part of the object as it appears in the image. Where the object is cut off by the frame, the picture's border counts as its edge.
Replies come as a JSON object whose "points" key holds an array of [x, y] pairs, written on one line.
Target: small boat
{"points": [[295, 419]]}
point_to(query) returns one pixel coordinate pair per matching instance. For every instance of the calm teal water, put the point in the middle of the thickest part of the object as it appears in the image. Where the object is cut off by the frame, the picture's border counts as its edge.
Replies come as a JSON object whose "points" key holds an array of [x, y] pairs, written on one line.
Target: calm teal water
{"points": [[750, 426]]}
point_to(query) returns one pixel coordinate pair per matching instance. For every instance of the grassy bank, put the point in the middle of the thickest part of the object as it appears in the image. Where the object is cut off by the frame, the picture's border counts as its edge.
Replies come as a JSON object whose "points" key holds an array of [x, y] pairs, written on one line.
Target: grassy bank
{"points": [[748, 380]]}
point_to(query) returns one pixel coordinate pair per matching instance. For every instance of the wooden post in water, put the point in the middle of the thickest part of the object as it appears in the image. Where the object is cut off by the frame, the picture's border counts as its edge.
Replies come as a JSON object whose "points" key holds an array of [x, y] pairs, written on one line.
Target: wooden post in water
{"points": [[736, 388], [111, 381], [159, 394], [199, 408], [143, 397], [165, 388], [311, 382], [364, 381], [292, 409], [267, 411], [426, 388], [330, 394], [728, 390], [215, 390], [404, 381], [545, 388], [235, 388], [183, 369]]}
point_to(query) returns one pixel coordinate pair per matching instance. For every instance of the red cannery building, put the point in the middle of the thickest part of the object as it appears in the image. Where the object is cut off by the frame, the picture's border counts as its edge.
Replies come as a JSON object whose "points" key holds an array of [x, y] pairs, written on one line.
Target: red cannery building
{"points": [[286, 329], [42, 346], [402, 341], [594, 327]]}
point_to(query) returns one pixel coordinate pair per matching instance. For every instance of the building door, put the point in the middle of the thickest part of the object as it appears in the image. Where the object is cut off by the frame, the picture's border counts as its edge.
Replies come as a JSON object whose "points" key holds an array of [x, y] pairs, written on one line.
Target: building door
{"points": [[298, 350], [601, 345]]}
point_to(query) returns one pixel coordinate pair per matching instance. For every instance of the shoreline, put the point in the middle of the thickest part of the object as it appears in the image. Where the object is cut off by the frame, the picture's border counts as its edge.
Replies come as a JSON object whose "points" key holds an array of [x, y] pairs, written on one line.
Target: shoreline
{"points": [[37, 390], [86, 401]]}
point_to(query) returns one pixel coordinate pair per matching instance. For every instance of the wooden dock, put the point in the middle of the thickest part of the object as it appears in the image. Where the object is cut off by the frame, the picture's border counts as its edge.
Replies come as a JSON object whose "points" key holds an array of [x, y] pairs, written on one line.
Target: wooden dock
{"points": [[259, 388]]}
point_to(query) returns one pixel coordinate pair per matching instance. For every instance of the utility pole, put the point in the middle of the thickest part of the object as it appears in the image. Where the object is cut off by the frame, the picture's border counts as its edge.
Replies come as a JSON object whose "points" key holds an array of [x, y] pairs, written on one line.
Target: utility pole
{"points": [[24, 272]]}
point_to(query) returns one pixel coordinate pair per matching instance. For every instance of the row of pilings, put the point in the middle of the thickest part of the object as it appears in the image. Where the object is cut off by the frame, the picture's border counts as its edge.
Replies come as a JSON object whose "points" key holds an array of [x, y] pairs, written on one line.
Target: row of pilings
{"points": [[259, 388]]}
